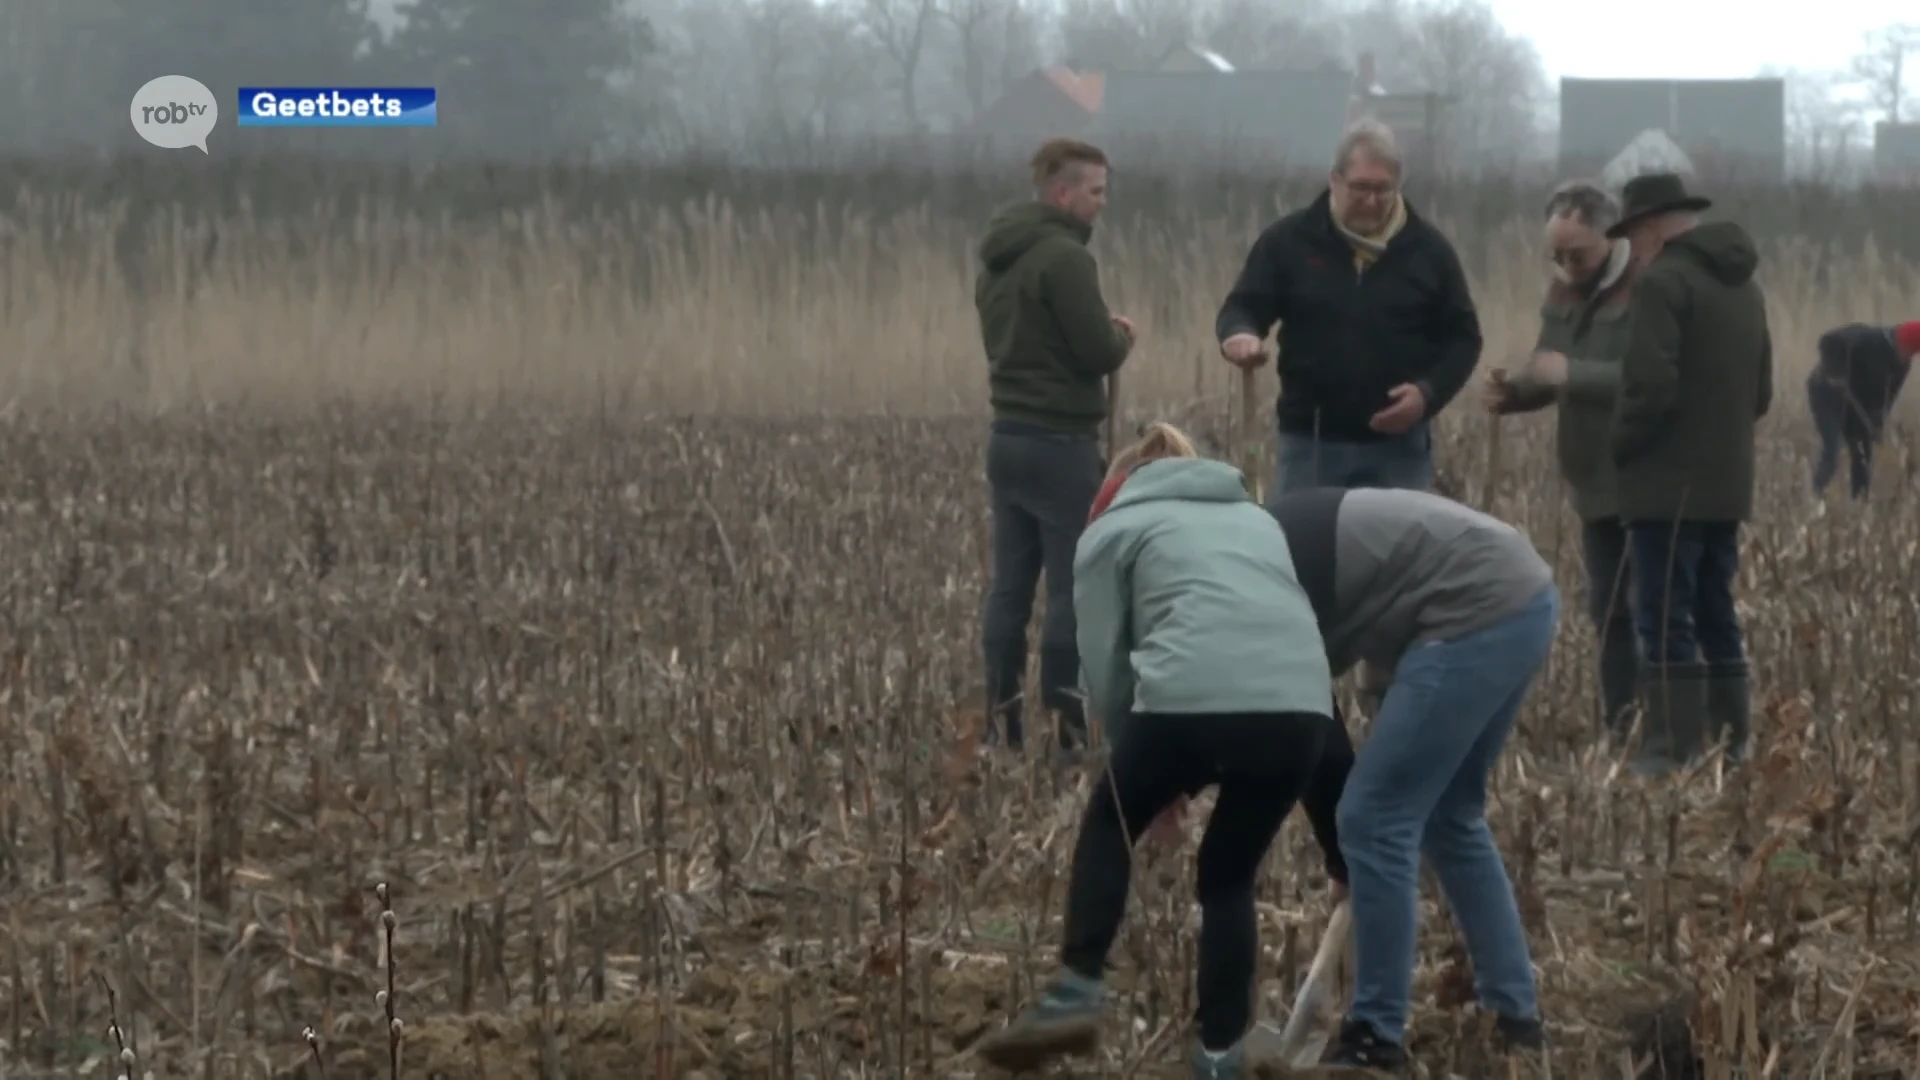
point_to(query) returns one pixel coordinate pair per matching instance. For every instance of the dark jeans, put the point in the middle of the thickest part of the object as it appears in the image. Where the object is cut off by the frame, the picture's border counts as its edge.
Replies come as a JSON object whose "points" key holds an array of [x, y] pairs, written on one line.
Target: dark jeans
{"points": [[1840, 422], [1610, 607], [1404, 461], [1043, 484], [1683, 590], [1263, 765]]}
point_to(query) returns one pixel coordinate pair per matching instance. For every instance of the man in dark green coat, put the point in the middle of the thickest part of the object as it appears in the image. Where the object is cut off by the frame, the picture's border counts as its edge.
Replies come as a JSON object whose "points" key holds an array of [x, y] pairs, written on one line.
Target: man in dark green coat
{"points": [[1696, 377], [1049, 340], [1576, 366]]}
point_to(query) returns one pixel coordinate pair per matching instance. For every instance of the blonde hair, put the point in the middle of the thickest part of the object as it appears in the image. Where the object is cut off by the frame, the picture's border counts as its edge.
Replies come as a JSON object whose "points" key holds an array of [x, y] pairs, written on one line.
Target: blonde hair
{"points": [[1160, 440]]}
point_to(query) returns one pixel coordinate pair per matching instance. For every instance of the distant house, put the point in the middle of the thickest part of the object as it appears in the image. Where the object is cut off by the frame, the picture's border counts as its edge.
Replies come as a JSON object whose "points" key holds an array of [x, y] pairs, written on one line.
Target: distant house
{"points": [[1289, 118], [1048, 102], [1726, 127], [1417, 120], [1187, 56], [1650, 151], [1194, 102], [1896, 153]]}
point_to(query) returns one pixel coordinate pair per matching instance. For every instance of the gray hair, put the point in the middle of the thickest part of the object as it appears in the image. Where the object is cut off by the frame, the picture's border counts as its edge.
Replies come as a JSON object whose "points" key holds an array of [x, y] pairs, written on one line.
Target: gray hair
{"points": [[1586, 202], [1372, 138]]}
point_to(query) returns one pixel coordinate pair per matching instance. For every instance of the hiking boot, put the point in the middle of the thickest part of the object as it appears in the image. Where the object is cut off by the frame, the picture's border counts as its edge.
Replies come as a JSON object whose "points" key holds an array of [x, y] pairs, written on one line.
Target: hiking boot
{"points": [[1228, 1064], [1729, 707], [1512, 1034], [1673, 716], [1360, 1049], [1064, 1021]]}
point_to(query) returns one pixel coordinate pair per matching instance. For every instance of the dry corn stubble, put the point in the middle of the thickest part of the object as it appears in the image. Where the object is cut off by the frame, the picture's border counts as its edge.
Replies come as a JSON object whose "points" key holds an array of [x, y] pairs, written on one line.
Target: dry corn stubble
{"points": [[627, 631]]}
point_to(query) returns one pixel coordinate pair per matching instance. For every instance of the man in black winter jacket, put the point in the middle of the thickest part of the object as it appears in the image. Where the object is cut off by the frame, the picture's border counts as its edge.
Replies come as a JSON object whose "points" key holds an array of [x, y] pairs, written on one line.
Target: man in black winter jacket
{"points": [[1862, 367], [1378, 330]]}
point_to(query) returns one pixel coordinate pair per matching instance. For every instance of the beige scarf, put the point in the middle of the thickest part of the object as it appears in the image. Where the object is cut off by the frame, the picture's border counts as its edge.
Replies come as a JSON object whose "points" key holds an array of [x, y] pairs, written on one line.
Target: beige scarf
{"points": [[1367, 248]]}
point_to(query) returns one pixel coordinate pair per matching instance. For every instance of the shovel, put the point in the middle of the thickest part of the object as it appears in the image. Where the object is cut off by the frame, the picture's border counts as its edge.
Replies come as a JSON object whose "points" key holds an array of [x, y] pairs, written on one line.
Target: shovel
{"points": [[1249, 437], [1300, 1043]]}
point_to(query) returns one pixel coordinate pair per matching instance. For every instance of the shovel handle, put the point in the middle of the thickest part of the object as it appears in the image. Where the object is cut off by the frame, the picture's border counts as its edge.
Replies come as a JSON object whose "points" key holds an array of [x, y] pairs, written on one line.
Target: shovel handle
{"points": [[1249, 440], [1318, 984]]}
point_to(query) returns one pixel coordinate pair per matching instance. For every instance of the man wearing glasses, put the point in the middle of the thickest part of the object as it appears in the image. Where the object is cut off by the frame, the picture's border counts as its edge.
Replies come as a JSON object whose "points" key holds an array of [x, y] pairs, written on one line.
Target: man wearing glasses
{"points": [[1575, 366], [1378, 330]]}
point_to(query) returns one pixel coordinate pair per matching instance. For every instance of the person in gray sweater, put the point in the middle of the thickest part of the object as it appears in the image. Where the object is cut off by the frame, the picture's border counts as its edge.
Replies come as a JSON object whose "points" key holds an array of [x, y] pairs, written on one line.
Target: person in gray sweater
{"points": [[1183, 590], [1461, 609]]}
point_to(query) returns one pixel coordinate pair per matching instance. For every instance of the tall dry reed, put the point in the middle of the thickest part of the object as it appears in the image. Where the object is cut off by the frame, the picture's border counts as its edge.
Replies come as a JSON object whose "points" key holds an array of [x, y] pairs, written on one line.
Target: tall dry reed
{"points": [[604, 582]]}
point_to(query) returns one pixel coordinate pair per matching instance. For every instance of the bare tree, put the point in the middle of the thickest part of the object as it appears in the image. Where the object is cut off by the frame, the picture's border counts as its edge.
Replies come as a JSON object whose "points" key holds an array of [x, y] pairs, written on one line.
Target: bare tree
{"points": [[1126, 35], [1887, 66], [1824, 128], [902, 28], [1260, 34], [993, 43], [1494, 81]]}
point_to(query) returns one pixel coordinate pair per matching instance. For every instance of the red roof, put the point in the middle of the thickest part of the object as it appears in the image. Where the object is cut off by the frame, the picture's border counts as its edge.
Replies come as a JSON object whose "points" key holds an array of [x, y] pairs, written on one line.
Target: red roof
{"points": [[1083, 88]]}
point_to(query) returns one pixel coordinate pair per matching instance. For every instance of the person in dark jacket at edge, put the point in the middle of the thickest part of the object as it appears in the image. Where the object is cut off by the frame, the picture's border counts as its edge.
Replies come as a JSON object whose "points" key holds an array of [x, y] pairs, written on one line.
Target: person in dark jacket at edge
{"points": [[1696, 378], [1850, 392], [1575, 366], [1050, 340], [1377, 327]]}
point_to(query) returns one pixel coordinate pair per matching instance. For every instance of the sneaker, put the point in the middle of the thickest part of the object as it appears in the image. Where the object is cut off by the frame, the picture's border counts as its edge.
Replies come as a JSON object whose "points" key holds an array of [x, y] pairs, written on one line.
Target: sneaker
{"points": [[1360, 1049], [1228, 1064], [1064, 1021]]}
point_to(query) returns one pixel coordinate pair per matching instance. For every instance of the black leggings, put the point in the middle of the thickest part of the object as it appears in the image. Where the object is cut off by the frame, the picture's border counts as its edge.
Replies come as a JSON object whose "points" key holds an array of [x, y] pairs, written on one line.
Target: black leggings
{"points": [[1263, 764]]}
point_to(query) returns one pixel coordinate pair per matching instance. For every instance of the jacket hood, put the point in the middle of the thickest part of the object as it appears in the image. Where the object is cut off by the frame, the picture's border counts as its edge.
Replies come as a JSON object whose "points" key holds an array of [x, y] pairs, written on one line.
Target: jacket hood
{"points": [[1721, 248], [1014, 230], [1184, 479]]}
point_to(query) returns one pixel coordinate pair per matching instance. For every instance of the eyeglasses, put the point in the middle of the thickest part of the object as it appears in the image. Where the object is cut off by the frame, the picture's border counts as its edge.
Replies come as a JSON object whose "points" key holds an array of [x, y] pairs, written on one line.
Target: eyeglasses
{"points": [[1573, 256], [1371, 189]]}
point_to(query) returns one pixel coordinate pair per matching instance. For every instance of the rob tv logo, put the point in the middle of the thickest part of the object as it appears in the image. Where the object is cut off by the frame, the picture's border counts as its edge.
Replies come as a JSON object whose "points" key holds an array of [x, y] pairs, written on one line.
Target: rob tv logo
{"points": [[174, 111]]}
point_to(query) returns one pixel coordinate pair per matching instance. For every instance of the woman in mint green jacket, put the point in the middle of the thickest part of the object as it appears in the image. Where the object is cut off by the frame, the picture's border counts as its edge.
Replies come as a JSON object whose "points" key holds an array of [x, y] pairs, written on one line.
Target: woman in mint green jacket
{"points": [[1201, 656]]}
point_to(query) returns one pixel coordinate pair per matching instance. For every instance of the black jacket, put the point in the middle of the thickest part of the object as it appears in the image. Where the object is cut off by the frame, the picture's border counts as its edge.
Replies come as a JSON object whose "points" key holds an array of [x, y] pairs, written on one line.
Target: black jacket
{"points": [[1861, 359], [1347, 337]]}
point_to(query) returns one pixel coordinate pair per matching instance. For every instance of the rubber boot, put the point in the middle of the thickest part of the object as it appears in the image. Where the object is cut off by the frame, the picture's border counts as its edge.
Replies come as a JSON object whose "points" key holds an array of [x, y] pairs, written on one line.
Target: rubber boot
{"points": [[1619, 681], [1673, 716], [1730, 707]]}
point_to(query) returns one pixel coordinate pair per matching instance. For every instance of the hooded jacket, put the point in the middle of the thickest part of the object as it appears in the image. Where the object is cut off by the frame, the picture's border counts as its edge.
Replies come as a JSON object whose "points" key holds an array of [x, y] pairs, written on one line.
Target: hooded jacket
{"points": [[1696, 377], [1864, 361], [1388, 569], [1048, 334], [1186, 601]]}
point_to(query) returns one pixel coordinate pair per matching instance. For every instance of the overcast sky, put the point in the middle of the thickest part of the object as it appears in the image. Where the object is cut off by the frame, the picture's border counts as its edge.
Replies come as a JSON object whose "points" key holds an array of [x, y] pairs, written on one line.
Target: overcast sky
{"points": [[1714, 39]]}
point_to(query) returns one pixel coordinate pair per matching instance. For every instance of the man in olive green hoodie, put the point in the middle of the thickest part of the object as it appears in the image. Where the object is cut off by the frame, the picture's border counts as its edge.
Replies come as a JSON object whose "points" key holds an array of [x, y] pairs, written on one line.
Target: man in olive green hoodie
{"points": [[1050, 340], [1576, 366], [1696, 377]]}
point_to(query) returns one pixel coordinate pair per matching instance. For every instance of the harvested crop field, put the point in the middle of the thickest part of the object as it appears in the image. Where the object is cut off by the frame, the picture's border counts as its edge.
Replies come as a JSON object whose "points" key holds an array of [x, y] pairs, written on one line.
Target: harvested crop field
{"points": [[604, 580]]}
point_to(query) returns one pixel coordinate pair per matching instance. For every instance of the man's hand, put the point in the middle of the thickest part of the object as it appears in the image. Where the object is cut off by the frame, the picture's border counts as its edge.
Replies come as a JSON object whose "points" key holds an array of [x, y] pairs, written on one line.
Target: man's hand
{"points": [[1499, 396], [1244, 351], [1548, 368], [1337, 890], [1165, 829], [1126, 326], [1407, 406]]}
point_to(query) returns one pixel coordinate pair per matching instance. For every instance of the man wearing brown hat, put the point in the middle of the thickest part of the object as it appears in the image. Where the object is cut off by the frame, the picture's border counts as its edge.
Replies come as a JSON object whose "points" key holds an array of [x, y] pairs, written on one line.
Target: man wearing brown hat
{"points": [[1696, 377]]}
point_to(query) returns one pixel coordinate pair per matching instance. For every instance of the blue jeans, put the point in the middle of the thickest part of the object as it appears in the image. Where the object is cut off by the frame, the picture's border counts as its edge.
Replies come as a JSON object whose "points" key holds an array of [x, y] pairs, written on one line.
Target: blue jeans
{"points": [[1419, 786], [1404, 461], [1603, 544], [1043, 484], [1683, 590]]}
